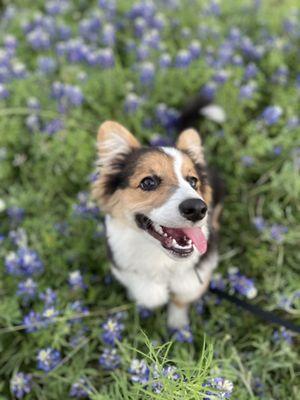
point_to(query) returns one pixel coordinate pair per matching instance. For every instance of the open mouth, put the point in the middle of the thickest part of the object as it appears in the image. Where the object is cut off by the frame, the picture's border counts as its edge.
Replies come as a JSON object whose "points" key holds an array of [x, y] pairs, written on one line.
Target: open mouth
{"points": [[180, 242]]}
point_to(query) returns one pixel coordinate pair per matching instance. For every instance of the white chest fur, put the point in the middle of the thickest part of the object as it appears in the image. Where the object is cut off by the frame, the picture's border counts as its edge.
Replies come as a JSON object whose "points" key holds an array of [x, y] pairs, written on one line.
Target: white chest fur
{"points": [[149, 274]]}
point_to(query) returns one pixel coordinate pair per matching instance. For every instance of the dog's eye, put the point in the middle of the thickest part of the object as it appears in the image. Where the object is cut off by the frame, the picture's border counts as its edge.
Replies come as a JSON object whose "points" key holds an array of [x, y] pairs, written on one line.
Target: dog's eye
{"points": [[149, 183], [192, 180]]}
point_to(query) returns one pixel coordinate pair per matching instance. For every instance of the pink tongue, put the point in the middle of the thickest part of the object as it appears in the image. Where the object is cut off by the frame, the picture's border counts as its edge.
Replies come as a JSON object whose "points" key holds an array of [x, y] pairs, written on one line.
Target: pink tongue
{"points": [[197, 237]]}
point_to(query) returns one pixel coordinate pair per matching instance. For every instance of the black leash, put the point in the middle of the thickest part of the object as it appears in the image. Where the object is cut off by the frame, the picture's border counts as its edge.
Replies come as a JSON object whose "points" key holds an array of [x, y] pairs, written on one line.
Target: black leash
{"points": [[267, 316]]}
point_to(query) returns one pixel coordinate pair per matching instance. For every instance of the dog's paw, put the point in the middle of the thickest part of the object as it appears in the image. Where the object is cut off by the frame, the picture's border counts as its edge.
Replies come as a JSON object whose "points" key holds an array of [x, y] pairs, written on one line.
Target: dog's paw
{"points": [[177, 316]]}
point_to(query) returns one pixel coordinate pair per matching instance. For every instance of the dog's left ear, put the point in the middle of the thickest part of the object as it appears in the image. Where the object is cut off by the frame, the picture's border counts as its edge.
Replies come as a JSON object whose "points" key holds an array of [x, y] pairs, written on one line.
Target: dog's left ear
{"points": [[114, 140], [190, 142]]}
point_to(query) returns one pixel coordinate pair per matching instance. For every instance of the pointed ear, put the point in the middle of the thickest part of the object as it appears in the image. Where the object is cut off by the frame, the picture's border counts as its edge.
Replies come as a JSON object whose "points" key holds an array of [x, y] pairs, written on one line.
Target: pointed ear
{"points": [[190, 141], [113, 139]]}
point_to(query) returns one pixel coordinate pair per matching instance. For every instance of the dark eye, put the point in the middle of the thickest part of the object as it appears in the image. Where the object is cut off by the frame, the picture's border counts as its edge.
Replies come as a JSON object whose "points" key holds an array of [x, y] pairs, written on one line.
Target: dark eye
{"points": [[149, 183], [192, 180]]}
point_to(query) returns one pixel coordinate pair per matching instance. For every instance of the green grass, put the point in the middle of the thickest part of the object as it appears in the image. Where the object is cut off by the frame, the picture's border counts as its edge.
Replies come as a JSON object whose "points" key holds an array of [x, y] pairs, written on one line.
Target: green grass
{"points": [[228, 342]]}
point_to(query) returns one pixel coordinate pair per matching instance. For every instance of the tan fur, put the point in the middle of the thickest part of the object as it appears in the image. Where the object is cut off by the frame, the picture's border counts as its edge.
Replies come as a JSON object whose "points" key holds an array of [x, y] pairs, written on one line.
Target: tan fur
{"points": [[133, 199], [190, 141], [188, 169]]}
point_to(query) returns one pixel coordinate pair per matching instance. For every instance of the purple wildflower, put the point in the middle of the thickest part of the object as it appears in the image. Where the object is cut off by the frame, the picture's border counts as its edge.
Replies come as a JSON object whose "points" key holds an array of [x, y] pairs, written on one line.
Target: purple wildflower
{"points": [[109, 359], [272, 114], [241, 284], [147, 72], [16, 214], [49, 296], [4, 93], [48, 359], [247, 161], [183, 335], [49, 314], [46, 65], [165, 60], [32, 321], [277, 232], [144, 312], [259, 223], [21, 384], [183, 58], [139, 371], [224, 388], [79, 389], [283, 335], [53, 126], [132, 103], [76, 280], [112, 331], [33, 123], [27, 289], [39, 39]]}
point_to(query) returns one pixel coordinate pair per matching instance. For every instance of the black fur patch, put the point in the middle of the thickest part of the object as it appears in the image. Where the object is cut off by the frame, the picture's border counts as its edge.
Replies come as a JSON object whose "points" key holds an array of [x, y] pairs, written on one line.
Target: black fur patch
{"points": [[123, 168]]}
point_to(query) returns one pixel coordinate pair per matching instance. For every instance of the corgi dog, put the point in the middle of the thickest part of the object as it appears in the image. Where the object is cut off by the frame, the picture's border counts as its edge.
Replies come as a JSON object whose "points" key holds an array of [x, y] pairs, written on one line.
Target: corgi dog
{"points": [[161, 218]]}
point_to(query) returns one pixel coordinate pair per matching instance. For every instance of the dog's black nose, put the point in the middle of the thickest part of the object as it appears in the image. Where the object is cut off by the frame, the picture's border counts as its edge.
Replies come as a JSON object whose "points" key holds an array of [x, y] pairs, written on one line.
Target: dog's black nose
{"points": [[193, 209]]}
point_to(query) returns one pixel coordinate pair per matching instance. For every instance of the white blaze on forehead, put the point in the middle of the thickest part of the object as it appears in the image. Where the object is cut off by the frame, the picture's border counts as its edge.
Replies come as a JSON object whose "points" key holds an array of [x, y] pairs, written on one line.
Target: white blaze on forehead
{"points": [[184, 186], [168, 214]]}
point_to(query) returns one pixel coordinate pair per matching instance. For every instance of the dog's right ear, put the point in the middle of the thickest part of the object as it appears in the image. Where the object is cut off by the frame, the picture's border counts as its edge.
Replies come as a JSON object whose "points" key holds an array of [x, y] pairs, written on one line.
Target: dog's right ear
{"points": [[114, 140]]}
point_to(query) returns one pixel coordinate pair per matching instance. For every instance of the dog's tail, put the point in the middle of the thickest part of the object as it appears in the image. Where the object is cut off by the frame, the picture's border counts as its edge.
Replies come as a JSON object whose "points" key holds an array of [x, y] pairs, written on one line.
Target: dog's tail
{"points": [[198, 107]]}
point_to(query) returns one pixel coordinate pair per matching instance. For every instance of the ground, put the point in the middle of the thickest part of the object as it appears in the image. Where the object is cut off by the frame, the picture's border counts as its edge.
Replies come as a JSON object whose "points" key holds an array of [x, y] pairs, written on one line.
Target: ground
{"points": [[67, 329]]}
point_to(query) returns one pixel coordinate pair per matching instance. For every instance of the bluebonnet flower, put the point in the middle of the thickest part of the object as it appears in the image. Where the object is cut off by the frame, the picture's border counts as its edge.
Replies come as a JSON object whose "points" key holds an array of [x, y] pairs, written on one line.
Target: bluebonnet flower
{"points": [[27, 289], [109, 359], [74, 95], [55, 7], [139, 371], [257, 386], [16, 214], [144, 312], [4, 93], [277, 232], [241, 284], [46, 65], [280, 76], [18, 237], [293, 122], [247, 90], [33, 123], [112, 331], [86, 207], [21, 384], [76, 280], [78, 308], [223, 388], [165, 60], [106, 58], [147, 72], [217, 282], [18, 70], [33, 104], [277, 150], [49, 314], [79, 389], [283, 335], [132, 103], [49, 296], [142, 52], [221, 76], [10, 42], [53, 126], [272, 114], [152, 38], [28, 262], [108, 35], [195, 49], [209, 90], [48, 359], [183, 335], [39, 39], [171, 372], [247, 161], [157, 387], [183, 58], [166, 116], [32, 321], [140, 26], [259, 223]]}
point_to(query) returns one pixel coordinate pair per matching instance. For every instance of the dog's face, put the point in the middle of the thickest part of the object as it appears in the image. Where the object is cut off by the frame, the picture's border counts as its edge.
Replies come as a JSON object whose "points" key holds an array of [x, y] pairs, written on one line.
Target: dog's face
{"points": [[162, 192]]}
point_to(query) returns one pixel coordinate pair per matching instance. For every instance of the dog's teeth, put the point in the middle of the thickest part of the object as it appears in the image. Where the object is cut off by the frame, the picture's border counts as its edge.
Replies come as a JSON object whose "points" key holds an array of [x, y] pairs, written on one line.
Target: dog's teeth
{"points": [[165, 234], [157, 228]]}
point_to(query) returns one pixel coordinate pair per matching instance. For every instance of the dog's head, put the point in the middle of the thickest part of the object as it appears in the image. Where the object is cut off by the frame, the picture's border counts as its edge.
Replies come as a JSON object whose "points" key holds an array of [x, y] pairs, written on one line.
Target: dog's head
{"points": [[163, 191]]}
